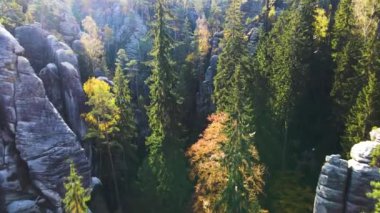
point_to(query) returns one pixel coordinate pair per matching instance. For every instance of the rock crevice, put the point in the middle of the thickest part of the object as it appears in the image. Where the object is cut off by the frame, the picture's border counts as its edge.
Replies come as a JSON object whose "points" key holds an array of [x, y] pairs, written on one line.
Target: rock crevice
{"points": [[36, 135], [343, 185]]}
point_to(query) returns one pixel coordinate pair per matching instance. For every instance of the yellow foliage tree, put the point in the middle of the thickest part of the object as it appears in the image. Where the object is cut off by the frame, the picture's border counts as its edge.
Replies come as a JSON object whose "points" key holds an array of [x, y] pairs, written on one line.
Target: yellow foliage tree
{"points": [[103, 118], [203, 34], [104, 114], [92, 43], [207, 169], [320, 24]]}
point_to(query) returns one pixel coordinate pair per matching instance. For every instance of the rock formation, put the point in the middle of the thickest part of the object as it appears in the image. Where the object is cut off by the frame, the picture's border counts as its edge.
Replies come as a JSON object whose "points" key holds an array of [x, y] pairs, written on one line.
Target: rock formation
{"points": [[343, 185], [57, 66], [35, 141]]}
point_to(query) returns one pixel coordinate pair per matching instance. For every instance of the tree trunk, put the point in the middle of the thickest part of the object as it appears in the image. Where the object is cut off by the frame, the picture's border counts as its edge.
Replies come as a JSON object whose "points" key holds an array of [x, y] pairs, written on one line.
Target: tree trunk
{"points": [[285, 145], [114, 178]]}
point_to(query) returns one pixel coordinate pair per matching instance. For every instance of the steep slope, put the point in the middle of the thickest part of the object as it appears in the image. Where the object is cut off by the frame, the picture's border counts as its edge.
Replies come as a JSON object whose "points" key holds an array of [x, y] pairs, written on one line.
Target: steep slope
{"points": [[39, 136]]}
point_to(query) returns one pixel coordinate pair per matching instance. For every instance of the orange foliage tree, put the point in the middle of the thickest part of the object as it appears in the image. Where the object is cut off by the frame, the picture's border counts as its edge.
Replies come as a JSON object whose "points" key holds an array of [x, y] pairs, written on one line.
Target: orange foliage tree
{"points": [[207, 170]]}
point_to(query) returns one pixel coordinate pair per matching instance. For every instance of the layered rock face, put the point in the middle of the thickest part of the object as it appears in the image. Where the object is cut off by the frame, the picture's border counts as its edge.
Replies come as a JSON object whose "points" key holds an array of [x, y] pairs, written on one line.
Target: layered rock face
{"points": [[36, 144], [57, 66], [343, 185]]}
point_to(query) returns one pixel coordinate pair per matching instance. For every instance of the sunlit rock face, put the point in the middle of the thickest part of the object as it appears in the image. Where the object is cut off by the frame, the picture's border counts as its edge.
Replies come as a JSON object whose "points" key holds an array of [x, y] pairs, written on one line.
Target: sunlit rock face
{"points": [[35, 144], [343, 185], [57, 66]]}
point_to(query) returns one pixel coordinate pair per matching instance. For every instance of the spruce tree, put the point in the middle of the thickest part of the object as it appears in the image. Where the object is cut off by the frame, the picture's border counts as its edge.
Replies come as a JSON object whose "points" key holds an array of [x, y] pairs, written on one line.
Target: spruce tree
{"points": [[233, 48], [233, 95], [346, 45], [163, 175], [365, 112], [282, 60], [76, 196], [127, 123]]}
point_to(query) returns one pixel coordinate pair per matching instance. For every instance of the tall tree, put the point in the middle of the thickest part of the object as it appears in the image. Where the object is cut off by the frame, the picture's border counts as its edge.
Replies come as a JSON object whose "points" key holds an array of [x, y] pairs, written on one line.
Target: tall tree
{"points": [[346, 45], [232, 95], [283, 59], [163, 175], [103, 119], [365, 112], [92, 43], [355, 89], [126, 124], [76, 196]]}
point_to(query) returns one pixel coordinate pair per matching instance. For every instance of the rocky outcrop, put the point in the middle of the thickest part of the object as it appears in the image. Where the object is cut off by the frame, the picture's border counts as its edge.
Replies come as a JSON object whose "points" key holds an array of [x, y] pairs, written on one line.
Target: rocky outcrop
{"points": [[41, 139], [57, 66], [343, 185]]}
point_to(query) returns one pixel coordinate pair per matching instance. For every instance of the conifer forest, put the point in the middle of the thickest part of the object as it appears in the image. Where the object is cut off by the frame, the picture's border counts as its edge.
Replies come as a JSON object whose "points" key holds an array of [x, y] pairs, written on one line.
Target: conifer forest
{"points": [[193, 106]]}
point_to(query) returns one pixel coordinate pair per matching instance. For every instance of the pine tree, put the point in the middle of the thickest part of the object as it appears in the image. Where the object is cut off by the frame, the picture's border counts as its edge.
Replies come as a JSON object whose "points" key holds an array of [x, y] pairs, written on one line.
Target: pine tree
{"points": [[127, 123], [346, 45], [233, 95], [163, 175], [365, 112], [233, 48], [283, 59], [76, 196]]}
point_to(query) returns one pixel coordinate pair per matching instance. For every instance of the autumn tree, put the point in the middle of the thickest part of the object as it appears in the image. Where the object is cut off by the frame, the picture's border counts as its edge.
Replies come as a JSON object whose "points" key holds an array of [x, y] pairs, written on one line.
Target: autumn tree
{"points": [[92, 43], [208, 170], [320, 24], [202, 35], [103, 120], [76, 196]]}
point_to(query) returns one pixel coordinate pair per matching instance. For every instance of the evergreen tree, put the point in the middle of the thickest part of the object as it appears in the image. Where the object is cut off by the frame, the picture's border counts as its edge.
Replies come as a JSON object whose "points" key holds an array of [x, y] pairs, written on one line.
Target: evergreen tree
{"points": [[231, 56], [346, 45], [127, 123], [233, 95], [365, 112], [283, 59], [76, 196], [163, 176]]}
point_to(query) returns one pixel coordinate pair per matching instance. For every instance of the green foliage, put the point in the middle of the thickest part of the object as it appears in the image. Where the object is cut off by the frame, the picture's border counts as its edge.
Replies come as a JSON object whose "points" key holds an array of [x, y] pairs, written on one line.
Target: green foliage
{"points": [[76, 196], [346, 47], [375, 194], [127, 123], [355, 88], [283, 64], [231, 56], [288, 194], [233, 96], [11, 14], [166, 186], [363, 115]]}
